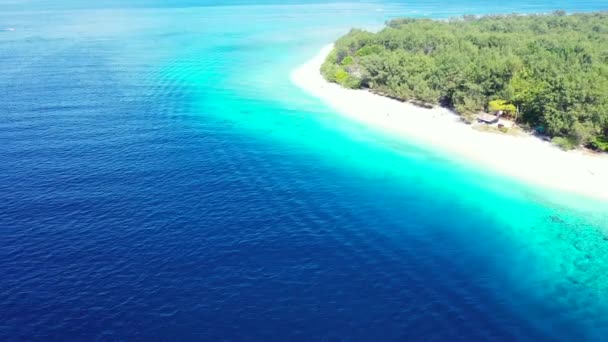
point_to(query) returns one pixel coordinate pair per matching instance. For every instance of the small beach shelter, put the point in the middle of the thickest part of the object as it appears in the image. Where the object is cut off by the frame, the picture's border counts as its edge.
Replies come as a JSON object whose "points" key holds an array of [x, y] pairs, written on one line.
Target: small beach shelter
{"points": [[488, 118]]}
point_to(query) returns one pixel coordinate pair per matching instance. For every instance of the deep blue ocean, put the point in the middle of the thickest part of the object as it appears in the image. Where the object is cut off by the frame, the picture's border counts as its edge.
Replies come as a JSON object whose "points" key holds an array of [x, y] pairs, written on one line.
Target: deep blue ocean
{"points": [[162, 179]]}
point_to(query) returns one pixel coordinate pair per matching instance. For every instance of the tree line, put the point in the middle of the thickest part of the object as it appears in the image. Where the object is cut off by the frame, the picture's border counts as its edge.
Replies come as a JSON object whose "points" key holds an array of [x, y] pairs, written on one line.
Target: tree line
{"points": [[549, 72]]}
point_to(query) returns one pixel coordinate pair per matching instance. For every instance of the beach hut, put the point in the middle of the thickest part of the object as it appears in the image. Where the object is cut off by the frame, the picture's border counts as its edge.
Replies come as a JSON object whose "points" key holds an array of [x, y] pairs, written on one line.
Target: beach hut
{"points": [[488, 118]]}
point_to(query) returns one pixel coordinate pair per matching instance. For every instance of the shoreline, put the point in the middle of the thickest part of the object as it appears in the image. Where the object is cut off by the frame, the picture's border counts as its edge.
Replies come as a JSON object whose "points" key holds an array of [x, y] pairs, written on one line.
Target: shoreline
{"points": [[526, 158]]}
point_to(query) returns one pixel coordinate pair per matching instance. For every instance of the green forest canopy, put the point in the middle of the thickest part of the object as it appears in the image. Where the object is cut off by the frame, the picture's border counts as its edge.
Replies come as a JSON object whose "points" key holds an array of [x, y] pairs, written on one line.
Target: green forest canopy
{"points": [[552, 68]]}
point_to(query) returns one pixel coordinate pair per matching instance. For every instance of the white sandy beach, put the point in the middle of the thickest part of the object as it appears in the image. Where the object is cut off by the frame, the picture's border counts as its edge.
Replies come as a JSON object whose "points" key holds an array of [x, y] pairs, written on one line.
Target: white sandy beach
{"points": [[524, 157]]}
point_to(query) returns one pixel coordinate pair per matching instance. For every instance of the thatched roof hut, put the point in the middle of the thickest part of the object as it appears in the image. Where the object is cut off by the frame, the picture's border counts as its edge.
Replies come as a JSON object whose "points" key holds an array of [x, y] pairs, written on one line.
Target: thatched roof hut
{"points": [[488, 118]]}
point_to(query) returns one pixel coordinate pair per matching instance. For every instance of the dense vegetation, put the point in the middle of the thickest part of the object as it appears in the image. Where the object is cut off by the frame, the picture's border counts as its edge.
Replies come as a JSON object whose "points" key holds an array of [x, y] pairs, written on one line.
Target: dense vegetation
{"points": [[549, 72]]}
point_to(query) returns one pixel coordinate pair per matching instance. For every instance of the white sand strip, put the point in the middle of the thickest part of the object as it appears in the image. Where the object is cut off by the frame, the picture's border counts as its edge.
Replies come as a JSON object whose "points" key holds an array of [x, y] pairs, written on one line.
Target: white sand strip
{"points": [[524, 157]]}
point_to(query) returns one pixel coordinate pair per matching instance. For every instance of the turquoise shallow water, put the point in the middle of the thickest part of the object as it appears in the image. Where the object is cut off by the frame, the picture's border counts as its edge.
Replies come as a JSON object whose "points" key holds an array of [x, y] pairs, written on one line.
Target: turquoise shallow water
{"points": [[161, 178]]}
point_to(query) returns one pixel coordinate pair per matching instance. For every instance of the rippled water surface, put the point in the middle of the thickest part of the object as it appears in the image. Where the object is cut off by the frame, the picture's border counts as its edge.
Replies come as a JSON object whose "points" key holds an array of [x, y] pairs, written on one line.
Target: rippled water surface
{"points": [[161, 179]]}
